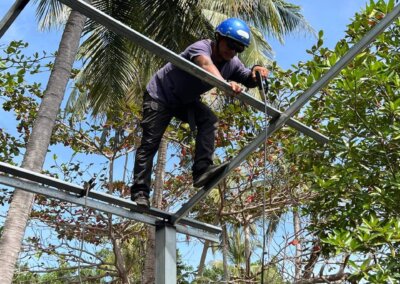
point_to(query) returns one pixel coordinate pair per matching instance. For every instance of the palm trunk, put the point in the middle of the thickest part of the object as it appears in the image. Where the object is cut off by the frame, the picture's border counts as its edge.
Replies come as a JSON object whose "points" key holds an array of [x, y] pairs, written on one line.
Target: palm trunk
{"points": [[149, 265], [125, 167], [159, 174], [21, 205]]}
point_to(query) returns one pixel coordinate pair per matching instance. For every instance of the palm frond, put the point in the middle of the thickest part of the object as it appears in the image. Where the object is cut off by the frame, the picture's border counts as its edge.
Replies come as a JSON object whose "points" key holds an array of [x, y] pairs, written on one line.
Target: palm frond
{"points": [[109, 70], [273, 223], [275, 18], [279, 18], [259, 52], [236, 248], [175, 23], [77, 103], [51, 14], [292, 19]]}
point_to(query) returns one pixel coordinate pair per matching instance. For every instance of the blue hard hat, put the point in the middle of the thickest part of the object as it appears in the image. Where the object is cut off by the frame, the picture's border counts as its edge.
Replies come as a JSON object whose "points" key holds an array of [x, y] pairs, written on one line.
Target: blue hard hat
{"points": [[235, 29]]}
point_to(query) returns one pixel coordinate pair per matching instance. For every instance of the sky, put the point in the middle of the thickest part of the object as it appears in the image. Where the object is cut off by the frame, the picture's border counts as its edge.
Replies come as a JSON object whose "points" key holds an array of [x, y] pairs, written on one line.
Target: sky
{"points": [[331, 16]]}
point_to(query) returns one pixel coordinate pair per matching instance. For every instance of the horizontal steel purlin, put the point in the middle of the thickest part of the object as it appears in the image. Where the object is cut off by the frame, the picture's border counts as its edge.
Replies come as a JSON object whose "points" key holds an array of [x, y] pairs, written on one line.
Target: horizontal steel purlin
{"points": [[36, 188], [150, 45], [76, 189]]}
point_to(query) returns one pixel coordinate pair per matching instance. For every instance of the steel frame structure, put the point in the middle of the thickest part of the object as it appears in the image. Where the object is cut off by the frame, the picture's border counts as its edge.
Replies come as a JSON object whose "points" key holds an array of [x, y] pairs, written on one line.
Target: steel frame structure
{"points": [[11, 15], [33, 182], [167, 225]]}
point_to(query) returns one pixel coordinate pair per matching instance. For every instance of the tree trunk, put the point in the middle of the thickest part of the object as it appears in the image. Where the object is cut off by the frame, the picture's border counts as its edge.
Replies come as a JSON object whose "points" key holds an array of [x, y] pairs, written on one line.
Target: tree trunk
{"points": [[119, 259], [297, 260], [125, 167], [247, 249], [159, 174], [150, 261], [116, 242], [21, 205], [206, 246], [203, 259], [225, 253], [110, 186]]}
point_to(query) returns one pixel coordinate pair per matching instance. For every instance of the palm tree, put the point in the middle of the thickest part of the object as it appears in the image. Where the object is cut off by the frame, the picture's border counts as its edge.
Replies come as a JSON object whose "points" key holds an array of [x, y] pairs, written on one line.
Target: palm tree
{"points": [[39, 141]]}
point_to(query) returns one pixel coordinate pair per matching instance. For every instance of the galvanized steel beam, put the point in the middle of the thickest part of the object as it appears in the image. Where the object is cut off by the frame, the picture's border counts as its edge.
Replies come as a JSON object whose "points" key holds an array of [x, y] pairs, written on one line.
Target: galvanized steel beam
{"points": [[166, 271], [41, 184], [102, 206], [11, 15]]}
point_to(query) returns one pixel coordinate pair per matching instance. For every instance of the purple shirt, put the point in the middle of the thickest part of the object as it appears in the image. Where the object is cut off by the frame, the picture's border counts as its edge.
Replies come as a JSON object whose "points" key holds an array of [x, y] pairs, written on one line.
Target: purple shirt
{"points": [[175, 87]]}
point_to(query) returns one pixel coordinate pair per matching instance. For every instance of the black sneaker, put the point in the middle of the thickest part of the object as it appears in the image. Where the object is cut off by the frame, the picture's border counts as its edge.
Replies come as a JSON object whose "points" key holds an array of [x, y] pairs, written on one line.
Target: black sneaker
{"points": [[142, 199], [205, 176]]}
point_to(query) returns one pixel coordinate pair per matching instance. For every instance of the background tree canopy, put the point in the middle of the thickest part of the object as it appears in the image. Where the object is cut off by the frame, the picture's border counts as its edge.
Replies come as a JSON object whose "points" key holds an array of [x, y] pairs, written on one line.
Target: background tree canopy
{"points": [[355, 177]]}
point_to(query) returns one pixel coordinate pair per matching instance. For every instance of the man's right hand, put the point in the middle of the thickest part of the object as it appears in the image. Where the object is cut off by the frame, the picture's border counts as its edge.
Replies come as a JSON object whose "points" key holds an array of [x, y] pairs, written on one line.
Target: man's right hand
{"points": [[236, 88]]}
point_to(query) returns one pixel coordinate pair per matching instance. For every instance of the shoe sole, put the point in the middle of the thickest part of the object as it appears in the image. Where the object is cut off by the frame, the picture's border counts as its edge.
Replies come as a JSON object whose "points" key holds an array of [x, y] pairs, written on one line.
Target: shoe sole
{"points": [[207, 176], [142, 204]]}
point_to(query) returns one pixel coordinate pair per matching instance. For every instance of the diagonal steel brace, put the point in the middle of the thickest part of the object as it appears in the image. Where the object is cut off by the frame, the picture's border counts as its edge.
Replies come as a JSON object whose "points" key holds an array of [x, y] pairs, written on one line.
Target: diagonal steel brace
{"points": [[11, 15], [278, 122]]}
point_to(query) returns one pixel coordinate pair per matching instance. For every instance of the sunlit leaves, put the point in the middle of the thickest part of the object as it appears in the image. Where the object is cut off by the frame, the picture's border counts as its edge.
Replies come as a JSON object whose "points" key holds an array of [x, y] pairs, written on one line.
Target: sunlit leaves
{"points": [[357, 177], [19, 97]]}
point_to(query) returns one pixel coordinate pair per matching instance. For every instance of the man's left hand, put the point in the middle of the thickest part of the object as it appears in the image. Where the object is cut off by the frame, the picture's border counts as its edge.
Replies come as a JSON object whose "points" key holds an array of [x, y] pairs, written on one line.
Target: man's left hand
{"points": [[262, 70]]}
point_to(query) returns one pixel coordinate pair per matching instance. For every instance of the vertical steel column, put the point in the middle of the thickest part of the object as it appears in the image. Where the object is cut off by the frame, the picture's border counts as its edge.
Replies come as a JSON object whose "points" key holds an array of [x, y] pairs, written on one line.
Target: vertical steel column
{"points": [[11, 15], [165, 254]]}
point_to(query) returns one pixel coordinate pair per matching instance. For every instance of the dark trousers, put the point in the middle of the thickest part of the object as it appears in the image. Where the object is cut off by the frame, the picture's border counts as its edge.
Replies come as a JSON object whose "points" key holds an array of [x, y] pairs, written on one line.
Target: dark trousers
{"points": [[156, 118]]}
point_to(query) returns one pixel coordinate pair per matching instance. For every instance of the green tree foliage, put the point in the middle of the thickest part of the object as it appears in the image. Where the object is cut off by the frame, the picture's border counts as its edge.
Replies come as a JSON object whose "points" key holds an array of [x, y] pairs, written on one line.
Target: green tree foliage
{"points": [[355, 177], [56, 258], [18, 96], [214, 273], [61, 276]]}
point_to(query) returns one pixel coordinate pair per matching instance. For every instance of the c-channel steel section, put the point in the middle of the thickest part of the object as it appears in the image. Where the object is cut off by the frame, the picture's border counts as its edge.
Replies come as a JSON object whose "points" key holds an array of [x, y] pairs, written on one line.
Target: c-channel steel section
{"points": [[11, 15], [191, 68], [278, 122], [104, 207], [65, 196], [184, 225]]}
